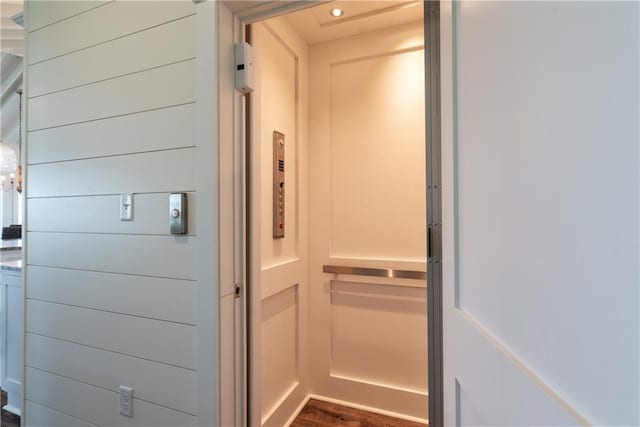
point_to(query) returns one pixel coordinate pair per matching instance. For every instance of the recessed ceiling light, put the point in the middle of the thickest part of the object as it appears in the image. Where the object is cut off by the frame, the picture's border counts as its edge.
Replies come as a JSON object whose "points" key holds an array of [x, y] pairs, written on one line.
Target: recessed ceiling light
{"points": [[336, 13]]}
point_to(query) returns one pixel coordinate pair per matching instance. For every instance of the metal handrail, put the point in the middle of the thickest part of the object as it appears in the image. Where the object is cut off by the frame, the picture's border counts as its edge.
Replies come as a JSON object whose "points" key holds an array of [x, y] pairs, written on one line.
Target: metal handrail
{"points": [[375, 272]]}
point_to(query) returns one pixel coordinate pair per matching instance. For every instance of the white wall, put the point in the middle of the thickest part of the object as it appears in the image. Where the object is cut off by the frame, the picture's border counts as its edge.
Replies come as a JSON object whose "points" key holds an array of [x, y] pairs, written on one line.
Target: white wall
{"points": [[374, 128], [110, 108], [367, 209], [281, 104], [540, 143]]}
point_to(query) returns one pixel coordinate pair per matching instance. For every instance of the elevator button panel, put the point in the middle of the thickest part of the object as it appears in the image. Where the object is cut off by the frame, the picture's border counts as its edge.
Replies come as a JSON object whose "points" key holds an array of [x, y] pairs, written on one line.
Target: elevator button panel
{"points": [[278, 185]]}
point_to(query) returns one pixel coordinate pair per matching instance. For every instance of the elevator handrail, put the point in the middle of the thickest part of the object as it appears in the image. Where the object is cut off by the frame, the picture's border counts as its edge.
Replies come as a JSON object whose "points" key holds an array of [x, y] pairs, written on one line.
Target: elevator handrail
{"points": [[375, 272]]}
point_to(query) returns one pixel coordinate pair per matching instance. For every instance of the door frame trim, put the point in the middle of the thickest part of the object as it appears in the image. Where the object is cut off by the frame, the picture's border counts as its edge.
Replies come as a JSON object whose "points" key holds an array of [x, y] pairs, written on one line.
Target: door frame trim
{"points": [[207, 138], [244, 404], [434, 212]]}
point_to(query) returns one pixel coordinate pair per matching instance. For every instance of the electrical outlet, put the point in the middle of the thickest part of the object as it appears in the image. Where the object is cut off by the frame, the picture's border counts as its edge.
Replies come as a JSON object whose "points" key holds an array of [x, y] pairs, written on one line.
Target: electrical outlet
{"points": [[126, 401], [126, 207]]}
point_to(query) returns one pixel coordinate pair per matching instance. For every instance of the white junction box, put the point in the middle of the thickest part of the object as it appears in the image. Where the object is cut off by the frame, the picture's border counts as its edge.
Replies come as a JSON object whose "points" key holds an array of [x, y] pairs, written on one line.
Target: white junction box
{"points": [[244, 67]]}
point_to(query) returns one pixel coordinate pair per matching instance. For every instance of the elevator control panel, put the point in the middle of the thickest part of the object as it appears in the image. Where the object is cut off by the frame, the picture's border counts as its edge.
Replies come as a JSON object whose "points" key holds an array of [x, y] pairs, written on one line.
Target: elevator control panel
{"points": [[278, 185], [178, 213]]}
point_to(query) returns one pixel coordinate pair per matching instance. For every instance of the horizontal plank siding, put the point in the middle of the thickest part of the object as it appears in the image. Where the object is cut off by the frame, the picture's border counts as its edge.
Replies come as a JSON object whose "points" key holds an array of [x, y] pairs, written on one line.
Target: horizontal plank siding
{"points": [[50, 12], [161, 129], [156, 298], [41, 416], [164, 342], [97, 405], [110, 106], [151, 381], [101, 25], [160, 171], [101, 214], [166, 86], [154, 47], [158, 256]]}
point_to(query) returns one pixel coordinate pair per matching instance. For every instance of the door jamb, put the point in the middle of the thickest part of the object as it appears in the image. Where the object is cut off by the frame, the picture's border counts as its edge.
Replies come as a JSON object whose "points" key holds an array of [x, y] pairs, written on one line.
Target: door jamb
{"points": [[246, 402], [434, 211]]}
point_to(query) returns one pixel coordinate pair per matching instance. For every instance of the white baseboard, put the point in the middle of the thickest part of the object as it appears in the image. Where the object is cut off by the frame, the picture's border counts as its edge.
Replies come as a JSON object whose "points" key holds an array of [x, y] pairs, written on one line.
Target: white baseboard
{"points": [[298, 410], [13, 409], [365, 408]]}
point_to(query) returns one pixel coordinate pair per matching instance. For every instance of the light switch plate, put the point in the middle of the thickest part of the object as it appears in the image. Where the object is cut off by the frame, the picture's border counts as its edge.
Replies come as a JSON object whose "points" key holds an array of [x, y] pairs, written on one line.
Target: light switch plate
{"points": [[126, 207]]}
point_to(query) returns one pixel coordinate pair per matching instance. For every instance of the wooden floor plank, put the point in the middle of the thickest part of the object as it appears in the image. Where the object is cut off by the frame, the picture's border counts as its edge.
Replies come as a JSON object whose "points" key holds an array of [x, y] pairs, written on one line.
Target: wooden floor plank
{"points": [[8, 419], [317, 413]]}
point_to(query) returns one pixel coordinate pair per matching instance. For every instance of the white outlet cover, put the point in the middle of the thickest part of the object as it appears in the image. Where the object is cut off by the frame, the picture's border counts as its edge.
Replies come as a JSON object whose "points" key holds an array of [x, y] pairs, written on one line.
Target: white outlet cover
{"points": [[126, 401]]}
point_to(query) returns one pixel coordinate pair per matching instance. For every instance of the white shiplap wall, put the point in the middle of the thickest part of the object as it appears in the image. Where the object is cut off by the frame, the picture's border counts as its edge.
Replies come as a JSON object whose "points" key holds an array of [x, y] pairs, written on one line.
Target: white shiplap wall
{"points": [[110, 105]]}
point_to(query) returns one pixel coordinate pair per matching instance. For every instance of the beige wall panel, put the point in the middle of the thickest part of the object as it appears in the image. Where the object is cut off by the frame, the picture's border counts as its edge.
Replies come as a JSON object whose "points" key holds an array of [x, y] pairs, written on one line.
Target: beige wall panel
{"points": [[280, 364], [282, 106], [367, 209], [378, 334], [278, 73], [378, 157]]}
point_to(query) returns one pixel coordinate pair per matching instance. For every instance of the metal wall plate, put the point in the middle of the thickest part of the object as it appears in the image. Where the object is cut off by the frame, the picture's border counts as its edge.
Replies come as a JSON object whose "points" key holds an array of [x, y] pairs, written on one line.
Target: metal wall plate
{"points": [[178, 213]]}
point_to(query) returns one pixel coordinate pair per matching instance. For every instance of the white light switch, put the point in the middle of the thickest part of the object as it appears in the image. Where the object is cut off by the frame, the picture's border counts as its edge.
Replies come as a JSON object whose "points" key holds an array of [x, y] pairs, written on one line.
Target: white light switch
{"points": [[126, 207]]}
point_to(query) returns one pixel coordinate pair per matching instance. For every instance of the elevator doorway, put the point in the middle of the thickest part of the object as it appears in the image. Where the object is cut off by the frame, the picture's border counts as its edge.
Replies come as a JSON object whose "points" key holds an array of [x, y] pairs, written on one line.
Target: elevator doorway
{"points": [[275, 354], [337, 179]]}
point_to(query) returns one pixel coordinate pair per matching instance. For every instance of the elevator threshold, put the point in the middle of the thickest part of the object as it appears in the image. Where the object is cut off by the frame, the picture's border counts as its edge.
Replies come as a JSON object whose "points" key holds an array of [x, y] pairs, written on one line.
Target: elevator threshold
{"points": [[317, 413]]}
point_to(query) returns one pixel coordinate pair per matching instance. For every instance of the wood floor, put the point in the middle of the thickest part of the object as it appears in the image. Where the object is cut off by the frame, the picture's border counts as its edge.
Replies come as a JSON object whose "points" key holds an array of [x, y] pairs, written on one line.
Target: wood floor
{"points": [[8, 419], [317, 413]]}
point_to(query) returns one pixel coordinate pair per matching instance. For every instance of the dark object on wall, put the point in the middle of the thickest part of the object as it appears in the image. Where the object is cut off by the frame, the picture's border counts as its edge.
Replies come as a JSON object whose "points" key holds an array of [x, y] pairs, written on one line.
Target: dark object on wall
{"points": [[12, 232]]}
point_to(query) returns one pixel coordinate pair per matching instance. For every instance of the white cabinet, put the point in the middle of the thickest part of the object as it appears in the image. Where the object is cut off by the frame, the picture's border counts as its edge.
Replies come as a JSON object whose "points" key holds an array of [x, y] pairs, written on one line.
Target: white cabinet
{"points": [[12, 305]]}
